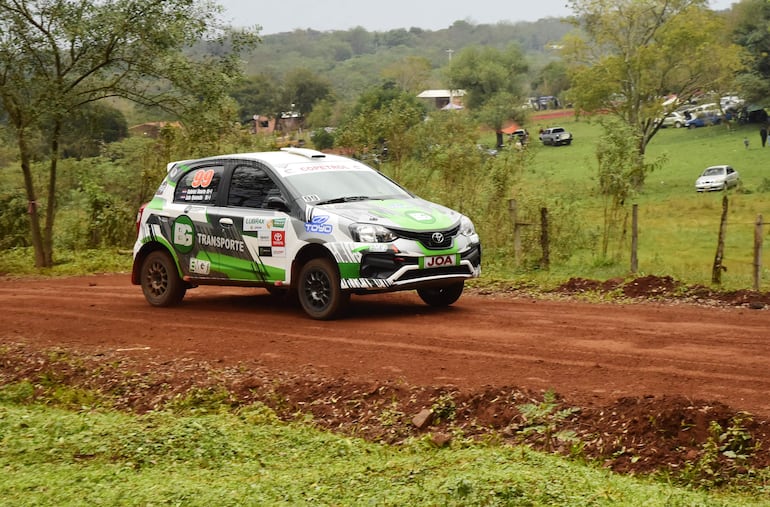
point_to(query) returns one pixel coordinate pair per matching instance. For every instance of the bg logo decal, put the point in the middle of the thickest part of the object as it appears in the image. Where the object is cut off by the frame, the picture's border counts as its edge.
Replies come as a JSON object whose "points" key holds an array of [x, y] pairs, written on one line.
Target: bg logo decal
{"points": [[183, 232]]}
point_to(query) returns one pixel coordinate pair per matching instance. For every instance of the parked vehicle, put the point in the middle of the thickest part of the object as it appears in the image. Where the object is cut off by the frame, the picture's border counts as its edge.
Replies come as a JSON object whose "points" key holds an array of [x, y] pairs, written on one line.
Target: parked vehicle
{"points": [[703, 120], [674, 119], [718, 177], [300, 222], [556, 136]]}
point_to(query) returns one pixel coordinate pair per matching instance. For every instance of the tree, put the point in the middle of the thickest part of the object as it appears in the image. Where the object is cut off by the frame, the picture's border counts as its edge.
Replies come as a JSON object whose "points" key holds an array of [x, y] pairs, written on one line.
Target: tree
{"points": [[636, 53], [499, 110], [749, 21], [410, 73], [486, 71], [303, 89], [256, 95], [58, 56]]}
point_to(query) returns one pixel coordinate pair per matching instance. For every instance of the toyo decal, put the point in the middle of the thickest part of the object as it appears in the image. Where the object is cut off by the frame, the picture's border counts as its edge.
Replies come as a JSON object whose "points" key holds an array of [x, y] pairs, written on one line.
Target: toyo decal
{"points": [[318, 224], [183, 234]]}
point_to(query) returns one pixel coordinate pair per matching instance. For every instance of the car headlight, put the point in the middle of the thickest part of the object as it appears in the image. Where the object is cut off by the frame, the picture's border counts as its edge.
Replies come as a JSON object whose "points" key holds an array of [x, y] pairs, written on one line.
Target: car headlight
{"points": [[466, 227], [370, 233]]}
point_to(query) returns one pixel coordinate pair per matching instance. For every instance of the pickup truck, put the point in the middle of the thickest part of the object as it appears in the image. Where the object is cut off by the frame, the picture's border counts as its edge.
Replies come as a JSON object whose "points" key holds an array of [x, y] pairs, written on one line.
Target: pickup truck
{"points": [[556, 136]]}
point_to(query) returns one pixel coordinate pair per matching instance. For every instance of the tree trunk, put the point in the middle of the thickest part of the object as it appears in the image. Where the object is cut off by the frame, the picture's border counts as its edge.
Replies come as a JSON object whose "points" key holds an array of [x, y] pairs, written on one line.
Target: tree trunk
{"points": [[34, 218], [51, 207]]}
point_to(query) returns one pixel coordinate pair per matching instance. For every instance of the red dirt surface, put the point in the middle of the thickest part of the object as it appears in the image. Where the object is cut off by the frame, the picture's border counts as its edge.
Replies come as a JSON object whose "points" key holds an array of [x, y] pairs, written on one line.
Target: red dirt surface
{"points": [[646, 378]]}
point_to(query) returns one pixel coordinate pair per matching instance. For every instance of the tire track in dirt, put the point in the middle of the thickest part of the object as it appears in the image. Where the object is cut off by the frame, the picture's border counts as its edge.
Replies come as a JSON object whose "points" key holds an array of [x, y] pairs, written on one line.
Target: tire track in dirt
{"points": [[590, 353]]}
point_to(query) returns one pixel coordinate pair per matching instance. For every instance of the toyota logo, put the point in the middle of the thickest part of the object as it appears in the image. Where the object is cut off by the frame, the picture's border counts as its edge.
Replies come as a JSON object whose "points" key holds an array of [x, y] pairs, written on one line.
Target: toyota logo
{"points": [[437, 238]]}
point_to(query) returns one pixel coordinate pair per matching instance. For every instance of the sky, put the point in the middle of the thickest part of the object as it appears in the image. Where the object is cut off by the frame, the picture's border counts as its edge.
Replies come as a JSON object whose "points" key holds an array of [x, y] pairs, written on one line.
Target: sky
{"points": [[278, 16]]}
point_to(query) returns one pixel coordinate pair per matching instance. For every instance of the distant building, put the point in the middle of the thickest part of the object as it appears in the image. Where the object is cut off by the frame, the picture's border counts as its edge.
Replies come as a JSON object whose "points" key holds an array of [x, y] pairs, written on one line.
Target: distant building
{"points": [[444, 99]]}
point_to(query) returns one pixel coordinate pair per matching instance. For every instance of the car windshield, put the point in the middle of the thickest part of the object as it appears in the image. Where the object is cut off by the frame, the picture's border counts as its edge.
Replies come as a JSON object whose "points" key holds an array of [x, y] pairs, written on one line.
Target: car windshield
{"points": [[342, 185], [714, 171]]}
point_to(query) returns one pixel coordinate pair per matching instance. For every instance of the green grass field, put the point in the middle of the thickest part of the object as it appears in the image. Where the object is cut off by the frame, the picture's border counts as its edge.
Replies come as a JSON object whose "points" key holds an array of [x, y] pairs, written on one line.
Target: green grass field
{"points": [[678, 227], [55, 457]]}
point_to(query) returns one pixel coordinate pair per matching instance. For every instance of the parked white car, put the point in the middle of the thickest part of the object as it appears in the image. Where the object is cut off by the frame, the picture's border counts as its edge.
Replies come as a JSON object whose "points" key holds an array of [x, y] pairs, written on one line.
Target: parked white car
{"points": [[718, 177]]}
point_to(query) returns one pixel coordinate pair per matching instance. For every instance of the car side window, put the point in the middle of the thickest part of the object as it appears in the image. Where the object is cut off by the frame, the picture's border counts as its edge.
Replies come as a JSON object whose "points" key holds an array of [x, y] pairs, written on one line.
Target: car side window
{"points": [[730, 170], [199, 186], [250, 186]]}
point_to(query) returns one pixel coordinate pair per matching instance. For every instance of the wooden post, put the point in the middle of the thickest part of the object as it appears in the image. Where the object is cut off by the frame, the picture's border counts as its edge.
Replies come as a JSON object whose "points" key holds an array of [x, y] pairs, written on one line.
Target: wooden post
{"points": [[758, 253], [513, 211], [716, 271], [546, 262], [634, 238]]}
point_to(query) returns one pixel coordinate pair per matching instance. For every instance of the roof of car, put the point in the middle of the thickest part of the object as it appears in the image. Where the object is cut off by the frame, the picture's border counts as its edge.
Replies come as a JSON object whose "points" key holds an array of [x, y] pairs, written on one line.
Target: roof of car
{"points": [[282, 157]]}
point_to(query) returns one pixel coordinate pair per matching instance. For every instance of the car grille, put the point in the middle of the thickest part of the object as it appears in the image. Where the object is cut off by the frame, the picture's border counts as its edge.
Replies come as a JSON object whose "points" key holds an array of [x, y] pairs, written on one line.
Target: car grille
{"points": [[428, 239]]}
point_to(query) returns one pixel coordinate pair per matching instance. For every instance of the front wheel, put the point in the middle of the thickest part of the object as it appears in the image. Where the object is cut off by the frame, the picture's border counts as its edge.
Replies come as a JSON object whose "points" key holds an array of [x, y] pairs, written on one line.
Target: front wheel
{"points": [[441, 296], [160, 280], [319, 290]]}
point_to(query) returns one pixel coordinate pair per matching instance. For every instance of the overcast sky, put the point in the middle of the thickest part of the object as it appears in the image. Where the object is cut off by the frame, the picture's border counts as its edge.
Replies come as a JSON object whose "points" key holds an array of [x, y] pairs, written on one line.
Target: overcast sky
{"points": [[277, 16]]}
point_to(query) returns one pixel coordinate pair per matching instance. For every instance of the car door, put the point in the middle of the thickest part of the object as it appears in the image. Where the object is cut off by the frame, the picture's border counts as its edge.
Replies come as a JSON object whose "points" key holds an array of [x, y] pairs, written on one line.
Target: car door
{"points": [[252, 226], [185, 223], [731, 177]]}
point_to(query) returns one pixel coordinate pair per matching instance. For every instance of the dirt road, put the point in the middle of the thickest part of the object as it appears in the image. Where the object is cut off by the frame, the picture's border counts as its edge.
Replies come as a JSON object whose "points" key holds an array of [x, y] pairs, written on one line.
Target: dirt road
{"points": [[592, 354]]}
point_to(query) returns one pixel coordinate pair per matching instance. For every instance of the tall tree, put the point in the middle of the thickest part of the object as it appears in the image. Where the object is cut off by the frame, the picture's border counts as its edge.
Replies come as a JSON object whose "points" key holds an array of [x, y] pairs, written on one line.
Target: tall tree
{"points": [[632, 54], [57, 56], [486, 71], [750, 20]]}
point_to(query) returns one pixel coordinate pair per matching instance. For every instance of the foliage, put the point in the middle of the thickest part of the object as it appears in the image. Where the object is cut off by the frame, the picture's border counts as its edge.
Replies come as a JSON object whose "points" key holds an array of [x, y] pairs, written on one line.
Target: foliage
{"points": [[543, 419], [381, 119], [634, 54], [748, 22], [58, 457], [59, 57], [13, 220], [724, 454], [484, 71], [621, 174], [90, 128]]}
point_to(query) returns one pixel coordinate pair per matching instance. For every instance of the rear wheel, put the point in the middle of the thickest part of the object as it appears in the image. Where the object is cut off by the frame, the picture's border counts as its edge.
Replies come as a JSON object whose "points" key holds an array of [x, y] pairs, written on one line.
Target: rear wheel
{"points": [[441, 296], [160, 280], [319, 290]]}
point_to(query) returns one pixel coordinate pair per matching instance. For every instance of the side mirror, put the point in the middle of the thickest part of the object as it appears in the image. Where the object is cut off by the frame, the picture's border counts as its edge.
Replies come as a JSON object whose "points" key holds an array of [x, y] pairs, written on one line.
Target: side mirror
{"points": [[277, 203]]}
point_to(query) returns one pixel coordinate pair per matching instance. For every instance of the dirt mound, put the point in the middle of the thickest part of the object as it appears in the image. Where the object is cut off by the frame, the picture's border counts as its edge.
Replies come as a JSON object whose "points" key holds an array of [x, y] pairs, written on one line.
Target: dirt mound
{"points": [[633, 435], [656, 288]]}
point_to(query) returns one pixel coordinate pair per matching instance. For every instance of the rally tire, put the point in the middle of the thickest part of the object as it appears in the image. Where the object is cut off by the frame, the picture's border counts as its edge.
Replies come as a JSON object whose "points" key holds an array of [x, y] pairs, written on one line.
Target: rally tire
{"points": [[319, 291], [441, 296], [160, 280]]}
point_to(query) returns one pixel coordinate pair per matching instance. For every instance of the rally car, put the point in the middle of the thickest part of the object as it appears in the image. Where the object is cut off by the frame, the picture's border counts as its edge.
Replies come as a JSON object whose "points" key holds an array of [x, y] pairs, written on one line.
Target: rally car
{"points": [[318, 226]]}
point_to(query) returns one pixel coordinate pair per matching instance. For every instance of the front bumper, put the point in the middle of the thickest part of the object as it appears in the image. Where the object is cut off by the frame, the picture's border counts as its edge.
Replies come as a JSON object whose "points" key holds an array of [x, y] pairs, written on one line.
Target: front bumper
{"points": [[390, 271]]}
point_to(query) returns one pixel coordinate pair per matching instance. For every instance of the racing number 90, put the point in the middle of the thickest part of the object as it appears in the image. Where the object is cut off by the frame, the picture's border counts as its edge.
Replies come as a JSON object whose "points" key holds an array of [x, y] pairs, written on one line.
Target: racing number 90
{"points": [[202, 178]]}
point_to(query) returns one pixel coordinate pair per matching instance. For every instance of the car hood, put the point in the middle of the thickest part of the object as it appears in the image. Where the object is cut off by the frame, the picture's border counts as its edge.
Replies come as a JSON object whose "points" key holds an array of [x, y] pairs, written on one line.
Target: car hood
{"points": [[709, 179], [406, 214]]}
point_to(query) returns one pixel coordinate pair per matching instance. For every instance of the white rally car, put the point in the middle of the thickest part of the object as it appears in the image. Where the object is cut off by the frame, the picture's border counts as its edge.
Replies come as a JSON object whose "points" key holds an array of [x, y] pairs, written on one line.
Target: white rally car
{"points": [[323, 226]]}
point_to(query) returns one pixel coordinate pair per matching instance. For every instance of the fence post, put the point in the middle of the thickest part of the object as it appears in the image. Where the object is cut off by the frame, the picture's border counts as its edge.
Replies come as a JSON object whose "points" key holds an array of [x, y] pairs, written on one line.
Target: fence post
{"points": [[546, 262], [634, 238], [716, 271], [513, 212], [758, 253]]}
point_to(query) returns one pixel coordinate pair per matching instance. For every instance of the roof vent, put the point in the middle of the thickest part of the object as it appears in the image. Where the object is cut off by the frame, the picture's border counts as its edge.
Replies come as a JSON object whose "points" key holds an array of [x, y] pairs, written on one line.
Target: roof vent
{"points": [[304, 152]]}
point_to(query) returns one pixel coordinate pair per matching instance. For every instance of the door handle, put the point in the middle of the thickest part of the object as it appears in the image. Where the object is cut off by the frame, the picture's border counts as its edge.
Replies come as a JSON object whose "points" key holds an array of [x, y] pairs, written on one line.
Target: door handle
{"points": [[226, 222]]}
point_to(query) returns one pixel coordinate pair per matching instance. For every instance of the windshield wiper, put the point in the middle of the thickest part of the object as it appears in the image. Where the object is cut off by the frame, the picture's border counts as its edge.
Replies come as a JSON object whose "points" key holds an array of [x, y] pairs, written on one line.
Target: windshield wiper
{"points": [[338, 200]]}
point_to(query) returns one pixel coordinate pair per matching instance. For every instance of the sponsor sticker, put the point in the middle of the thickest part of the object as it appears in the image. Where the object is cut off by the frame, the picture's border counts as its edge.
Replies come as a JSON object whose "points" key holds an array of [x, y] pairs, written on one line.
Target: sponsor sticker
{"points": [[438, 261], [318, 224], [200, 267], [251, 224], [265, 251], [278, 238], [183, 234], [420, 216]]}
